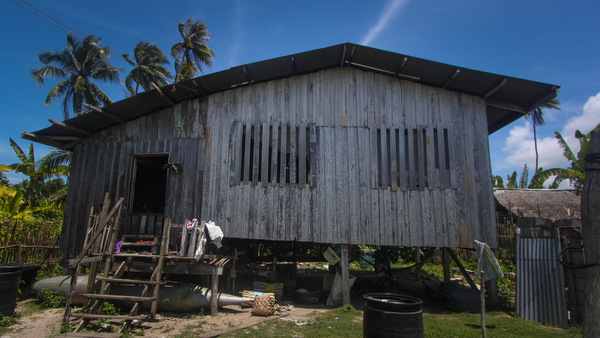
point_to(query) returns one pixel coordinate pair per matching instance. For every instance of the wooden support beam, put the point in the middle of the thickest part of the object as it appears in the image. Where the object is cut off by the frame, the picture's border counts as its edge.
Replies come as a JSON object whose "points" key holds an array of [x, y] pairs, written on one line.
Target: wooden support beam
{"points": [[247, 74], [462, 269], [446, 265], [200, 87], [70, 127], [495, 88], [401, 65], [214, 295], [541, 98], [343, 60], [104, 112], [345, 275], [452, 77], [163, 94], [40, 139], [507, 106]]}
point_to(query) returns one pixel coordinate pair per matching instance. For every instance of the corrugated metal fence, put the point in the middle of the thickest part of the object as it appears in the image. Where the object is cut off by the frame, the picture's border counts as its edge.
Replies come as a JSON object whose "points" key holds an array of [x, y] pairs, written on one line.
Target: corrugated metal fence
{"points": [[540, 286]]}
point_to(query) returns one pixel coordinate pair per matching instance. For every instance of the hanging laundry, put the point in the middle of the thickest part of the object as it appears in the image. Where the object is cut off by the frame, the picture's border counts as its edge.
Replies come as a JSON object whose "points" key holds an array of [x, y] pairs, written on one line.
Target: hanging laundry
{"points": [[215, 233]]}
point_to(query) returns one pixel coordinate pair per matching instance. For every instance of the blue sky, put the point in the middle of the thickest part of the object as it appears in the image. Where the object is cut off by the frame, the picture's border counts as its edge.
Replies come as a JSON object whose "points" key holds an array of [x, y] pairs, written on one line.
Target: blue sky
{"points": [[551, 41]]}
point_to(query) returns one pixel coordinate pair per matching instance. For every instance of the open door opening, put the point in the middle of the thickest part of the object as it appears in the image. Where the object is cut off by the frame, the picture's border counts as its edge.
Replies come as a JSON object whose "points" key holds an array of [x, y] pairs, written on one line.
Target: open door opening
{"points": [[148, 194]]}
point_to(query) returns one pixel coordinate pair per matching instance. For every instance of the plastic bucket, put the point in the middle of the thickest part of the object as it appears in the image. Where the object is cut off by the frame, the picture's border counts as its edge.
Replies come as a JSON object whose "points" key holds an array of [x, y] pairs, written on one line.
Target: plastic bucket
{"points": [[392, 315], [10, 278]]}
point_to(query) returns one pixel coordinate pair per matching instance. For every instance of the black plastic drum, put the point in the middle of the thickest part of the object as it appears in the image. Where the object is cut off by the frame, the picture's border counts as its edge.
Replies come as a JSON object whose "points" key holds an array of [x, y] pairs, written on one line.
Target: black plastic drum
{"points": [[392, 315]]}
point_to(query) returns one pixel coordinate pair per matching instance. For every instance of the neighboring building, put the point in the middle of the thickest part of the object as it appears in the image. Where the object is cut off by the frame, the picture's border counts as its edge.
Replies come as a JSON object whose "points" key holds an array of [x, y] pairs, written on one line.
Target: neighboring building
{"points": [[345, 144]]}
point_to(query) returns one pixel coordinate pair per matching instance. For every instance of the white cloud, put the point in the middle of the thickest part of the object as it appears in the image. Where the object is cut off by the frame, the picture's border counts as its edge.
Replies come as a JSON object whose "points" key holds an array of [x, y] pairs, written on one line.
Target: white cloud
{"points": [[586, 121], [519, 144], [519, 149], [384, 20]]}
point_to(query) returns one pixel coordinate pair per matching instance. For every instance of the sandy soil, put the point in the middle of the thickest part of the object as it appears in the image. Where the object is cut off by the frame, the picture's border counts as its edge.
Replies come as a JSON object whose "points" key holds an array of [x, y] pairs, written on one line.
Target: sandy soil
{"points": [[46, 323]]}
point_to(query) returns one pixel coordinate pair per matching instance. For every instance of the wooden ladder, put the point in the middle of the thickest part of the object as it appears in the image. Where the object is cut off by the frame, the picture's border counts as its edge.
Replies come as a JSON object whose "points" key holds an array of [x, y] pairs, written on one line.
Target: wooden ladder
{"points": [[101, 225], [145, 295]]}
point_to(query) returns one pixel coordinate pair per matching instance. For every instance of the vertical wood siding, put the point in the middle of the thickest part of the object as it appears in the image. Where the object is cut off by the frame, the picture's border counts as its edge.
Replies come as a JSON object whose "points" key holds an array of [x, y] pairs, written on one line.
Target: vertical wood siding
{"points": [[104, 163], [353, 123], [418, 202]]}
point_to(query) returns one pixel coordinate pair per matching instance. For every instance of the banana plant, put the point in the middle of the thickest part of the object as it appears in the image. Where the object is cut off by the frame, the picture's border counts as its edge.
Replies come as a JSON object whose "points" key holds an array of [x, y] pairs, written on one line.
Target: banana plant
{"points": [[576, 172]]}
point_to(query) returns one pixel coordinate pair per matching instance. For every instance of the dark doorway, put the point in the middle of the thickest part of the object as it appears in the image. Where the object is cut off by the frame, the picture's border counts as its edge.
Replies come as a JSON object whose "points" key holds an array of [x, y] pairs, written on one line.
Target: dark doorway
{"points": [[149, 194], [150, 185]]}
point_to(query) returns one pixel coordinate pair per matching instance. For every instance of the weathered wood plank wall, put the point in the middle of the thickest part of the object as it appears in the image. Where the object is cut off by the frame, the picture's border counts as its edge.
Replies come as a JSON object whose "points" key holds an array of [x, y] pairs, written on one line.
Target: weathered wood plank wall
{"points": [[104, 163], [349, 156], [362, 122]]}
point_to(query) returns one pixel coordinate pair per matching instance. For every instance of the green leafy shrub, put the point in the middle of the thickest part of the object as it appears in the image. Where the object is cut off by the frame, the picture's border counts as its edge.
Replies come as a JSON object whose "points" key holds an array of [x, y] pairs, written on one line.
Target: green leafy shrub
{"points": [[6, 321], [50, 299]]}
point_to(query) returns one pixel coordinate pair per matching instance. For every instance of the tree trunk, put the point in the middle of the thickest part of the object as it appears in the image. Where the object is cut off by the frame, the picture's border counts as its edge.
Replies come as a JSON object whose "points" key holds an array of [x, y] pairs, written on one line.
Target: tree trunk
{"points": [[536, 146], [590, 215]]}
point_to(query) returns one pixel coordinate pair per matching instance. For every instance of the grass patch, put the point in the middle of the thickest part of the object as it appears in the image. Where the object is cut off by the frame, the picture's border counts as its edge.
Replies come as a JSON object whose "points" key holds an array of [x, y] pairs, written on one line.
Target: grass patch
{"points": [[498, 324], [347, 322]]}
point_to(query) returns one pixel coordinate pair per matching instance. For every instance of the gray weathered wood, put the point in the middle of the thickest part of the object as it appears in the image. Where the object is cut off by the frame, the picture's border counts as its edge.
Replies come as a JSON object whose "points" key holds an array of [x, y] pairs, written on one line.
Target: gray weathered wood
{"points": [[590, 217]]}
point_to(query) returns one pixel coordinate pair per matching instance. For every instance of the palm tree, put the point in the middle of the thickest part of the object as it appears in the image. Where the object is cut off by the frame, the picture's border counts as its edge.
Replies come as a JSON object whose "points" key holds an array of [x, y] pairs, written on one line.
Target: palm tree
{"points": [[192, 52], [50, 166], [576, 172], [77, 65], [537, 117], [149, 61]]}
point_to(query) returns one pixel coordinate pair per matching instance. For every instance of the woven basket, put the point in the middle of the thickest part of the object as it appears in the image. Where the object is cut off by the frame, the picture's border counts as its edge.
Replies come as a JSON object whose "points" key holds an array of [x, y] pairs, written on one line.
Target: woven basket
{"points": [[263, 306]]}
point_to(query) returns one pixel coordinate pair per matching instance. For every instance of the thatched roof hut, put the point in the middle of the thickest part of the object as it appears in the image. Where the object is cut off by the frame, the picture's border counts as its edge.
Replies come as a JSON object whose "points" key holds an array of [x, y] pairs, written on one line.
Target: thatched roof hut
{"points": [[539, 203]]}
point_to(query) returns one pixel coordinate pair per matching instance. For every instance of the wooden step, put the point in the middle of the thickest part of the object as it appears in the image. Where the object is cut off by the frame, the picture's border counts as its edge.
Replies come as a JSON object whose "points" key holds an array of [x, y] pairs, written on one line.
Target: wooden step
{"points": [[96, 316], [140, 237], [118, 297], [138, 244], [130, 281]]}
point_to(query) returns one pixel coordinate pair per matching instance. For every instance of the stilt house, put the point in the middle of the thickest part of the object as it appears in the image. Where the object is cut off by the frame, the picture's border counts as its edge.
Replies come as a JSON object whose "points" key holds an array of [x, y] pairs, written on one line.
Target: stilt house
{"points": [[346, 144]]}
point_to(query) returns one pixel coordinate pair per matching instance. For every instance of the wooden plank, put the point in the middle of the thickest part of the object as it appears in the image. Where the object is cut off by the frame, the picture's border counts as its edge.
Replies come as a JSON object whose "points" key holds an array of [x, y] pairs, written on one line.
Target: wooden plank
{"points": [[393, 159], [313, 149], [236, 151], [247, 147], [302, 155], [353, 185], [340, 181], [275, 152], [117, 297], [157, 275], [256, 154], [421, 157], [441, 149], [86, 260], [402, 162], [130, 281], [412, 158], [214, 291], [264, 155], [374, 158], [284, 168], [384, 165], [97, 316], [433, 178], [293, 147]]}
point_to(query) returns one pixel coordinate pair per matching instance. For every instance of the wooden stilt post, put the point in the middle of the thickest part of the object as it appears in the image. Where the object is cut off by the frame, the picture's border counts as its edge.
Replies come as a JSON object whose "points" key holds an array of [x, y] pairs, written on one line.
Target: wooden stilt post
{"points": [[446, 264], [345, 275], [590, 217], [214, 295], [482, 297]]}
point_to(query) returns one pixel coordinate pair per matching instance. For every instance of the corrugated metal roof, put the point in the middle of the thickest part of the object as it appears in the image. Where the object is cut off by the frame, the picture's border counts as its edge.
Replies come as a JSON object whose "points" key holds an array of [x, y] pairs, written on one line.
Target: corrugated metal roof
{"points": [[507, 98]]}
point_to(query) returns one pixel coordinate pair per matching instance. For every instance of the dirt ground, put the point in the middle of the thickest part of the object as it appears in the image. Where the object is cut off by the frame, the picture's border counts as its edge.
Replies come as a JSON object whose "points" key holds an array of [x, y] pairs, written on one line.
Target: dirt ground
{"points": [[46, 323]]}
